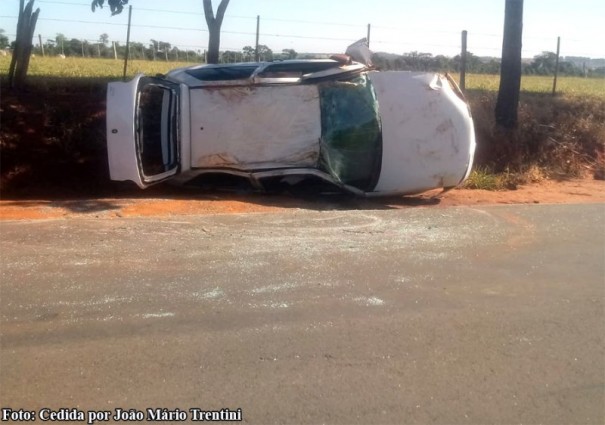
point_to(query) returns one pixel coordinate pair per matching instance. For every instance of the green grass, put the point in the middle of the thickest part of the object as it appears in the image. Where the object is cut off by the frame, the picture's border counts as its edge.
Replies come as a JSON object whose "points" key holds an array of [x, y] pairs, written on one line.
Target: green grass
{"points": [[482, 178], [485, 178], [109, 68], [573, 86]]}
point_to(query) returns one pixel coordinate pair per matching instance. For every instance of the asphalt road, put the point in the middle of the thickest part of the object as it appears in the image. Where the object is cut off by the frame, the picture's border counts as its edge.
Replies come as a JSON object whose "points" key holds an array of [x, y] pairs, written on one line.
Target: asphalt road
{"points": [[419, 315]]}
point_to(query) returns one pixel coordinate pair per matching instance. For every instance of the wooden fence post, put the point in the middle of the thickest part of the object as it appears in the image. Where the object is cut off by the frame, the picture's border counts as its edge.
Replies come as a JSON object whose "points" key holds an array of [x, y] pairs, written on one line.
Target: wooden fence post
{"points": [[554, 83], [41, 45]]}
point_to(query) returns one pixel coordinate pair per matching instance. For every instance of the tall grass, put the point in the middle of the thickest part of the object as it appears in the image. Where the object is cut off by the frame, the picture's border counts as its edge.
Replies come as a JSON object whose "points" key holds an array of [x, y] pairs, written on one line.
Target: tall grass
{"points": [[562, 135]]}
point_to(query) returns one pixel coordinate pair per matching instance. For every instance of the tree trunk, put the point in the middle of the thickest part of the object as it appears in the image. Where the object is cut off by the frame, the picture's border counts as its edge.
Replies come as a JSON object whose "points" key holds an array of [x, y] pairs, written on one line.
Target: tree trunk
{"points": [[17, 49], [23, 66], [214, 42], [26, 25], [510, 71], [214, 28]]}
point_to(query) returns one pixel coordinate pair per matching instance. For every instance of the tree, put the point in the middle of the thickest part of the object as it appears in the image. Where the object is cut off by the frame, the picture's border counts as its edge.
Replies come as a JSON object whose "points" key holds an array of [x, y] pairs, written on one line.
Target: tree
{"points": [[289, 53], [61, 41], [3, 40], [153, 47], [104, 38], [76, 47], [164, 47], [116, 6], [265, 53], [510, 70], [232, 57], [417, 60], [214, 28], [214, 22], [248, 52]]}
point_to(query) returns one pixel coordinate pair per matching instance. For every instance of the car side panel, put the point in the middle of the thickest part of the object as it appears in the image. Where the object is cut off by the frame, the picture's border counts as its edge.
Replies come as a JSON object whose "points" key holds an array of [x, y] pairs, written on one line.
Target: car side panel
{"points": [[427, 131], [255, 127]]}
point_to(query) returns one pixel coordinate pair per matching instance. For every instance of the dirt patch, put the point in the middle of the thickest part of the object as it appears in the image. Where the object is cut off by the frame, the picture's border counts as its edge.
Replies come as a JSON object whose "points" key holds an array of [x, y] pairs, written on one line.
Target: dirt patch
{"points": [[171, 204], [575, 191]]}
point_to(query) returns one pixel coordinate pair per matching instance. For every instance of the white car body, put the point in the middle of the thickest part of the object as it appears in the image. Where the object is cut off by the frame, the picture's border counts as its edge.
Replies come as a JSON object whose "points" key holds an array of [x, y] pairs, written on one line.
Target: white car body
{"points": [[365, 131]]}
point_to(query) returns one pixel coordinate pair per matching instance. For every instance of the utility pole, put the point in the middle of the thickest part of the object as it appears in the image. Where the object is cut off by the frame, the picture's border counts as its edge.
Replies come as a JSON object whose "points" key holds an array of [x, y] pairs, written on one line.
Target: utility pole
{"points": [[369, 31]]}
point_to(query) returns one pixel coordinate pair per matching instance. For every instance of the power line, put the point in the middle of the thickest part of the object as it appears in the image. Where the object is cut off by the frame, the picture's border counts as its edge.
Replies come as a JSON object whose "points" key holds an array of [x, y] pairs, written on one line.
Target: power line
{"points": [[191, 29], [287, 36], [184, 12]]}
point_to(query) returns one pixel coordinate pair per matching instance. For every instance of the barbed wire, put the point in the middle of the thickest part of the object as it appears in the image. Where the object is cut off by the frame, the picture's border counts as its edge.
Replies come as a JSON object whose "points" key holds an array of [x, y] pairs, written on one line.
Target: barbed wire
{"points": [[376, 40], [264, 18]]}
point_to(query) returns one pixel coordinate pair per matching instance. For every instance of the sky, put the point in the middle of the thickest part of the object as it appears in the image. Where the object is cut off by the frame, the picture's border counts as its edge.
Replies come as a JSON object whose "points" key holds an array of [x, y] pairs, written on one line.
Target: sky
{"points": [[328, 26]]}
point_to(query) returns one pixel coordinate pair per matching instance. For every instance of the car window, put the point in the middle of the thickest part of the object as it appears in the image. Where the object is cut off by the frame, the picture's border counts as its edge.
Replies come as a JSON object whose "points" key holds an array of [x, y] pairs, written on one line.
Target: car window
{"points": [[222, 73], [157, 130], [351, 138], [295, 69]]}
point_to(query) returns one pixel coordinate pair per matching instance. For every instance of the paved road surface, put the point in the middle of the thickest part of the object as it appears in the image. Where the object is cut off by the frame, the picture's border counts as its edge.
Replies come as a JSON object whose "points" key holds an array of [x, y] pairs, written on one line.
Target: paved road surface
{"points": [[427, 315]]}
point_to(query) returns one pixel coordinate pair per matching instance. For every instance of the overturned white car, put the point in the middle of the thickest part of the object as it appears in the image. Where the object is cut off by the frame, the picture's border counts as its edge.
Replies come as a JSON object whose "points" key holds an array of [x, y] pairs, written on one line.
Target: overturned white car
{"points": [[365, 131]]}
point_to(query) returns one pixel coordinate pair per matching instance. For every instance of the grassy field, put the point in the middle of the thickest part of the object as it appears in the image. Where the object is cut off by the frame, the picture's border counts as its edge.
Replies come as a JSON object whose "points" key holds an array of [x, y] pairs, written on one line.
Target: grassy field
{"points": [[573, 86], [90, 67], [109, 68]]}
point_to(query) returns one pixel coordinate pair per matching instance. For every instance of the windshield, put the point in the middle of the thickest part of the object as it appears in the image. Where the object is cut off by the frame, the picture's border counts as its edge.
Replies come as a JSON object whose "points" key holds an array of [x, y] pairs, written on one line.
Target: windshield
{"points": [[351, 138], [157, 130]]}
